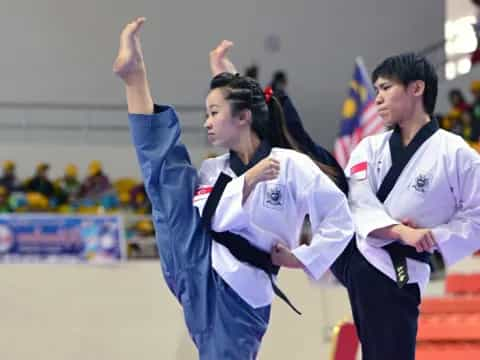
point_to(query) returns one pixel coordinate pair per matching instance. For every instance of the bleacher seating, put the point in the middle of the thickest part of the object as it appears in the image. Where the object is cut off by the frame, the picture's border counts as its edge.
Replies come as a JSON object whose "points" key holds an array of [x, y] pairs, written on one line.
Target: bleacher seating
{"points": [[449, 326]]}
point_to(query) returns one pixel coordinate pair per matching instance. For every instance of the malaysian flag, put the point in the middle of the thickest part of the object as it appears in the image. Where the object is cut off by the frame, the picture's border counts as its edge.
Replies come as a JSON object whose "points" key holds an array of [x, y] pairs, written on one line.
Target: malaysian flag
{"points": [[360, 117]]}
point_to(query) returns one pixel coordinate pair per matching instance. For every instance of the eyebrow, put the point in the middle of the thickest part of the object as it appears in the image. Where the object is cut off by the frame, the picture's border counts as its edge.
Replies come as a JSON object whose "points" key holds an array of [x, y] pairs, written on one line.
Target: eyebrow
{"points": [[213, 105], [381, 84]]}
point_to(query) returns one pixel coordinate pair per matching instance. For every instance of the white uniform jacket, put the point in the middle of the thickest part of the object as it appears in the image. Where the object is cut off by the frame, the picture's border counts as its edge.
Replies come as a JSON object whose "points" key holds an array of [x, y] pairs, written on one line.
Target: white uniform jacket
{"points": [[439, 188], [275, 211]]}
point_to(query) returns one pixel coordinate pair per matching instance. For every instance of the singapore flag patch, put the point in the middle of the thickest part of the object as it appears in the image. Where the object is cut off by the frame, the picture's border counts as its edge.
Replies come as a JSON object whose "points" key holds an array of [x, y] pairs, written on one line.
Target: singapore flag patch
{"points": [[359, 171], [202, 193]]}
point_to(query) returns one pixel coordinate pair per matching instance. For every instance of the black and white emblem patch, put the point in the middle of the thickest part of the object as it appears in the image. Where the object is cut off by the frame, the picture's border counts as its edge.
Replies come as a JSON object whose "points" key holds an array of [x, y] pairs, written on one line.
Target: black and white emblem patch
{"points": [[422, 183], [274, 196]]}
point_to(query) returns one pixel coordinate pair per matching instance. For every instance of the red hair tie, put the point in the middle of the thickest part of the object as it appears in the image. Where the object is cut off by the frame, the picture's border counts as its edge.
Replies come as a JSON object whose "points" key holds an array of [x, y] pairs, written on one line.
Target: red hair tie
{"points": [[268, 92]]}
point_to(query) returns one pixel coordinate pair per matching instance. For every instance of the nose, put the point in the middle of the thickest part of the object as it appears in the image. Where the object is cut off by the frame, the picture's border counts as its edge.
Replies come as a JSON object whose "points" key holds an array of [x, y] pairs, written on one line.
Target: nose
{"points": [[207, 123], [379, 99]]}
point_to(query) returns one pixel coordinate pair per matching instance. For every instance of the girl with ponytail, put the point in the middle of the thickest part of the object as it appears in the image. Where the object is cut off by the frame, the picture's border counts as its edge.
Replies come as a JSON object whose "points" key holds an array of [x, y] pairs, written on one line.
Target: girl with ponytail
{"points": [[215, 250]]}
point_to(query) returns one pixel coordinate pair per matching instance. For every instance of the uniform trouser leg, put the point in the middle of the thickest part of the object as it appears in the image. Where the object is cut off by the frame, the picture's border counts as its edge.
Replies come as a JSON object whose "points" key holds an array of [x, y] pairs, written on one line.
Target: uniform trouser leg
{"points": [[340, 266], [385, 315], [236, 330], [220, 323]]}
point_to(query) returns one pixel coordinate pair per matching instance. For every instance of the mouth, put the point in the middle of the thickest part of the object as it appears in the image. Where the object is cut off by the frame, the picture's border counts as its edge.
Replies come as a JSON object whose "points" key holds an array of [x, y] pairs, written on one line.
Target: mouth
{"points": [[210, 136], [382, 112]]}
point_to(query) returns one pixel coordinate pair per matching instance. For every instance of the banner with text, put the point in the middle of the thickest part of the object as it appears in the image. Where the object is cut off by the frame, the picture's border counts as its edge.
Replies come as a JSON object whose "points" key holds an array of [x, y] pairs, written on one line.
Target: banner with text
{"points": [[33, 238]]}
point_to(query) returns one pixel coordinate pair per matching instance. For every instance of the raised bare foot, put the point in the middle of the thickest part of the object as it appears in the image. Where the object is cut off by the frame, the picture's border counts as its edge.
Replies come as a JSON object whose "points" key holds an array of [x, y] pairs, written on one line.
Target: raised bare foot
{"points": [[219, 61], [129, 62]]}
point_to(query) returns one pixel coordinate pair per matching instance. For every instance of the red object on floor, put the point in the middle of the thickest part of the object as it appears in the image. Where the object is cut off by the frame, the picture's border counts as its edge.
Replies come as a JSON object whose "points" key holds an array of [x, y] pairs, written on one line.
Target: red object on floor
{"points": [[345, 342]]}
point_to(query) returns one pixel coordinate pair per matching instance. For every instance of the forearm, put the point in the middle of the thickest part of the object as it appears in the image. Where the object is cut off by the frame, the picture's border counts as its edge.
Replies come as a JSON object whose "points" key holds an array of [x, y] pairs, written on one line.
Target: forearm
{"points": [[332, 227], [391, 232], [283, 256], [248, 186], [139, 98]]}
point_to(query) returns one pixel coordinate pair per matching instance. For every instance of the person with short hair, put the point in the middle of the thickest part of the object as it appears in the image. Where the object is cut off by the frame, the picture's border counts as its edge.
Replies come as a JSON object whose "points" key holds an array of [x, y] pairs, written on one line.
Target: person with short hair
{"points": [[413, 189]]}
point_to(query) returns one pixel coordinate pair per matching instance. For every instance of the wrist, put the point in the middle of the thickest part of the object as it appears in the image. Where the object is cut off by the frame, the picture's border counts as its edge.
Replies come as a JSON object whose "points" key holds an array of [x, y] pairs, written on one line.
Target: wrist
{"points": [[401, 231], [248, 185], [250, 179]]}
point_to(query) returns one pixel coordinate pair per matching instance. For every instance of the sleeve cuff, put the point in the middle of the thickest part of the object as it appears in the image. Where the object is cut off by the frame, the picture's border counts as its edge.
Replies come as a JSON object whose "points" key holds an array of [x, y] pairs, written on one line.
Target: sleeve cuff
{"points": [[142, 125], [453, 248], [304, 254], [371, 221]]}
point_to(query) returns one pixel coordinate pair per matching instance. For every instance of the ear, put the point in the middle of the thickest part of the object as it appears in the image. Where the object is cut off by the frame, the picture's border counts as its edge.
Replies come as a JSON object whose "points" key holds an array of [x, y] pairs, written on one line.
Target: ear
{"points": [[417, 87], [245, 117]]}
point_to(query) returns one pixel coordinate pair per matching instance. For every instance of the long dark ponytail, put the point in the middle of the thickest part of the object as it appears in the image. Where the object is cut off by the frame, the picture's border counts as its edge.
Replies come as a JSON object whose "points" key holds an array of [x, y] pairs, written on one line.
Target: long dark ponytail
{"points": [[268, 119]]}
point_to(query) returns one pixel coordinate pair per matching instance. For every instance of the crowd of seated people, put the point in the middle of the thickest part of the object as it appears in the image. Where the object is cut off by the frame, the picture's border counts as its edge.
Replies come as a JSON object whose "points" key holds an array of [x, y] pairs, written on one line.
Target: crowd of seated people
{"points": [[95, 194], [463, 118]]}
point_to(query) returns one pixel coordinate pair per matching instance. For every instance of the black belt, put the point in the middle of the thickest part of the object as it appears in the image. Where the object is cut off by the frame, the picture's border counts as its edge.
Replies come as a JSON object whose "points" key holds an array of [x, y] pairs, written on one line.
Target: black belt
{"points": [[238, 245], [399, 254], [400, 156]]}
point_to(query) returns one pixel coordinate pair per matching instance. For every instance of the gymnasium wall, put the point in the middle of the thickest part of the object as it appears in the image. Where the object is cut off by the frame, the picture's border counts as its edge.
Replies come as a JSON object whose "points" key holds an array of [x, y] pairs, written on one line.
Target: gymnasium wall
{"points": [[60, 52]]}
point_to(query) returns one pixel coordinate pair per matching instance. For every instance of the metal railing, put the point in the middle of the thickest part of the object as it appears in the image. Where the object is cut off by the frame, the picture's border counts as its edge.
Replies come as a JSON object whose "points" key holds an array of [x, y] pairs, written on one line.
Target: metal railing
{"points": [[80, 123]]}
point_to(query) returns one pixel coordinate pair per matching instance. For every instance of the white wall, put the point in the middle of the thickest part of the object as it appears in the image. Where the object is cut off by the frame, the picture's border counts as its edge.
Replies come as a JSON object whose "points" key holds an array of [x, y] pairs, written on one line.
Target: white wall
{"points": [[61, 51], [80, 139]]}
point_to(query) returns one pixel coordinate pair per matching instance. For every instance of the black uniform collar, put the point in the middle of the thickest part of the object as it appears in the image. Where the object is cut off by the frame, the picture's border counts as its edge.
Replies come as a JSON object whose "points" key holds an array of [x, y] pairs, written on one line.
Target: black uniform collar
{"points": [[397, 148], [239, 167]]}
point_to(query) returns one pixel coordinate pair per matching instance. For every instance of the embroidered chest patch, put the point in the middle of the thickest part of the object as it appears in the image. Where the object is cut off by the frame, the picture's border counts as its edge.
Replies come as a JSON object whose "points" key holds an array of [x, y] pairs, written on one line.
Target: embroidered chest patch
{"points": [[359, 171], [274, 196], [422, 183], [202, 192]]}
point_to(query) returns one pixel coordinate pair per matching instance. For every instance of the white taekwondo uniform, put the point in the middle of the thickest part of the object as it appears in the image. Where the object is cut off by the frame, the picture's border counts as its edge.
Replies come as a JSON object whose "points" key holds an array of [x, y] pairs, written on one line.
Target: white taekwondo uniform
{"points": [[275, 211]]}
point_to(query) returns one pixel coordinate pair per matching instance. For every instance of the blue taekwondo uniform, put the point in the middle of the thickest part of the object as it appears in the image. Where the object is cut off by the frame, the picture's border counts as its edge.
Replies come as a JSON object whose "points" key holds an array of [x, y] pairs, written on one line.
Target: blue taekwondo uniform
{"points": [[226, 302]]}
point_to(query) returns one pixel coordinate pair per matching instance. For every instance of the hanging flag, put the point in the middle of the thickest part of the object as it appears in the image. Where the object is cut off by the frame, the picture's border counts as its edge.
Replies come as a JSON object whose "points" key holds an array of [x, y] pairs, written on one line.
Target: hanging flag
{"points": [[359, 115]]}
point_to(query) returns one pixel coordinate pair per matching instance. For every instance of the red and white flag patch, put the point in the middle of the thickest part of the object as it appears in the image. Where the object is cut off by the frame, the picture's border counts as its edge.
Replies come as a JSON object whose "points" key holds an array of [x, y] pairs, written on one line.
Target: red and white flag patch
{"points": [[202, 192], [359, 171]]}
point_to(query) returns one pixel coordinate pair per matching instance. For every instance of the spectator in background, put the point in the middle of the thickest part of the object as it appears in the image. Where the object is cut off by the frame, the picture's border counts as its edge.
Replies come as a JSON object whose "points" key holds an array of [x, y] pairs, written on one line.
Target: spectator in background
{"points": [[467, 131], [96, 184], [4, 204], [252, 71], [279, 82], [68, 185], [139, 199], [9, 178], [37, 202], [40, 183], [457, 100], [450, 121], [453, 120], [462, 126], [475, 108]]}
